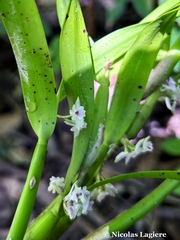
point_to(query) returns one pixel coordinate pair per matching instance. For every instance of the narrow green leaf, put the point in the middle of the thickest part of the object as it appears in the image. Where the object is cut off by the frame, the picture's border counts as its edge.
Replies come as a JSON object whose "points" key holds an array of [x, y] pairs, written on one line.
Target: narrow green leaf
{"points": [[160, 10], [62, 10], [114, 45], [78, 78], [142, 115], [132, 78], [25, 31]]}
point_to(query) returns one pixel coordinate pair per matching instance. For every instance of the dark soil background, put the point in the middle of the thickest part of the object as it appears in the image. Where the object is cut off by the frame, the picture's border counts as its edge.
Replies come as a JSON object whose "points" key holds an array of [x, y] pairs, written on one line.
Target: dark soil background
{"points": [[17, 139]]}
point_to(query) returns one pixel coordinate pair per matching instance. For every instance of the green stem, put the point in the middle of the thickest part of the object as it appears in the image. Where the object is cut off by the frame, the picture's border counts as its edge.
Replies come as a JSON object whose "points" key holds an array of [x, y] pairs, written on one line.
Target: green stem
{"points": [[28, 195], [146, 174], [50, 224], [45, 223], [64, 117], [139, 210]]}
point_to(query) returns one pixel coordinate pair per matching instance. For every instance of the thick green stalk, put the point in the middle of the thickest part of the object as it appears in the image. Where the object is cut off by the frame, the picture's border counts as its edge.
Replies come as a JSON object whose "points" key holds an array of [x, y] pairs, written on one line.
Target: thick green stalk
{"points": [[139, 210], [50, 224], [28, 196], [45, 223]]}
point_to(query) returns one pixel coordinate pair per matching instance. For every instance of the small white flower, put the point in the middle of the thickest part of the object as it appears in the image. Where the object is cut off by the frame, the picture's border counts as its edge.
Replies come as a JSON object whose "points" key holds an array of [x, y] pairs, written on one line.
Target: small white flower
{"points": [[56, 184], [101, 192], [126, 155], [170, 104], [143, 145], [77, 202], [171, 88], [77, 116], [77, 112]]}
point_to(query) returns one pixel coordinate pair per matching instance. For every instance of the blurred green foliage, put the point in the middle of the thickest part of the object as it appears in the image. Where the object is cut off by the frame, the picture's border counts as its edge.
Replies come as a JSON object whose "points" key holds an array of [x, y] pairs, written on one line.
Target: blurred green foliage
{"points": [[171, 146]]}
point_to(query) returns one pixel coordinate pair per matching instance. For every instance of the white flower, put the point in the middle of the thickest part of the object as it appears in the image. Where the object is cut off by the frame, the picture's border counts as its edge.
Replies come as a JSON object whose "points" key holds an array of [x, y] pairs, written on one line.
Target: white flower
{"points": [[143, 145], [170, 104], [101, 192], [169, 86], [173, 90], [77, 202], [77, 116], [56, 184]]}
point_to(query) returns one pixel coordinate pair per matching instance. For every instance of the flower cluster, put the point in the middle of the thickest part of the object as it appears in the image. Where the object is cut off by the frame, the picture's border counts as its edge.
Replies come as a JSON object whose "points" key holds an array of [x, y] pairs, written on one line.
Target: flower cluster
{"points": [[77, 118], [101, 192], [77, 202], [171, 88], [56, 185], [142, 146]]}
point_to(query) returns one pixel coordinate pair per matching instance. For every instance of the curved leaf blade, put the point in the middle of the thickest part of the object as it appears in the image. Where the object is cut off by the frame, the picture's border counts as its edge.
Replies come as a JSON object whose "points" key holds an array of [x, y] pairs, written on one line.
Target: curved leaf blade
{"points": [[78, 75], [25, 31], [133, 76]]}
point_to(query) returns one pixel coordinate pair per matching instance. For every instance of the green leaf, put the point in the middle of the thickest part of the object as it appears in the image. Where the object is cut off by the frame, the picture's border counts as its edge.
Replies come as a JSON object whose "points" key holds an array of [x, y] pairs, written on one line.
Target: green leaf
{"points": [[114, 45], [25, 31], [78, 78], [62, 10], [132, 78], [160, 10], [171, 146], [142, 115]]}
